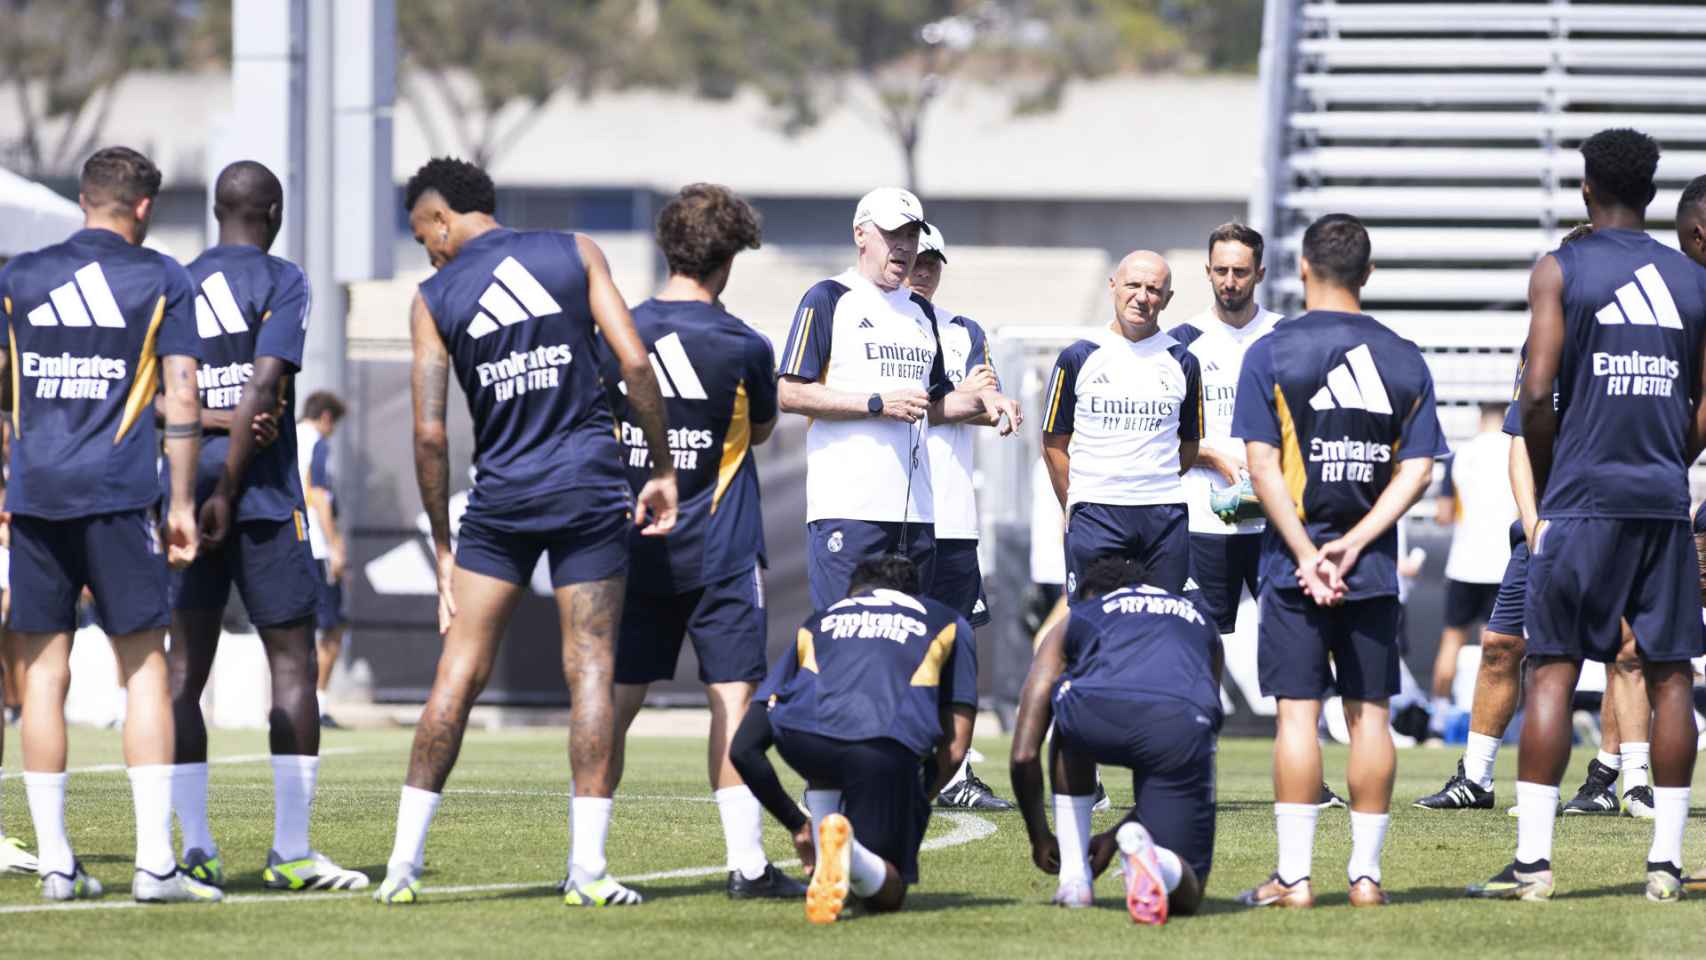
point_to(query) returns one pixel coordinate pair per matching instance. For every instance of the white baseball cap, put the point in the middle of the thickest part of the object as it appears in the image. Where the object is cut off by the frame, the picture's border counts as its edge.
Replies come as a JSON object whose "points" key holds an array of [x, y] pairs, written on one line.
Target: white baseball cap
{"points": [[890, 208], [931, 240]]}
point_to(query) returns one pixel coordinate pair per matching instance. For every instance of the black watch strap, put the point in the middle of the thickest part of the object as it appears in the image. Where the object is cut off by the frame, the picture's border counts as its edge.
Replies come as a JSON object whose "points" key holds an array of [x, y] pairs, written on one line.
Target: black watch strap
{"points": [[875, 404]]}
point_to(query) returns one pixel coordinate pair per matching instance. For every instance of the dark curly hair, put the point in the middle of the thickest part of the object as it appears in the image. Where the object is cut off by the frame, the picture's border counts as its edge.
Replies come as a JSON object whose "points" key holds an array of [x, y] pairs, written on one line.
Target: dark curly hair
{"points": [[1620, 164], [702, 228], [465, 187], [118, 176], [1693, 200], [891, 571], [1108, 572]]}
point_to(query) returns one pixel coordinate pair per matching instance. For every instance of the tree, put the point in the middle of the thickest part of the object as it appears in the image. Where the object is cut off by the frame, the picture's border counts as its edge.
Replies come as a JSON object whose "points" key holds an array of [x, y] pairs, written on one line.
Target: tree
{"points": [[64, 60]]}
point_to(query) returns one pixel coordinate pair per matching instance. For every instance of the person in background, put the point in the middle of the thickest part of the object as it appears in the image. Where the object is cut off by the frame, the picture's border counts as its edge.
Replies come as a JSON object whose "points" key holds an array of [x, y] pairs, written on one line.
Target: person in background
{"points": [[321, 414]]}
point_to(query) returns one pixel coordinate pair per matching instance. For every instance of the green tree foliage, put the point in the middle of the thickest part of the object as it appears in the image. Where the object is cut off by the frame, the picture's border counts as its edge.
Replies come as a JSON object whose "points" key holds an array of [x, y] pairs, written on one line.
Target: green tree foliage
{"points": [[63, 60]]}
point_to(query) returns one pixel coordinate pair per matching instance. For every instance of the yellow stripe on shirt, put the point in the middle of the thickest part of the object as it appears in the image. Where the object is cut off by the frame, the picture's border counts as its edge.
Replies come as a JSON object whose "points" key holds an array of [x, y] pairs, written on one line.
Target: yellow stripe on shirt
{"points": [[800, 345], [147, 376]]}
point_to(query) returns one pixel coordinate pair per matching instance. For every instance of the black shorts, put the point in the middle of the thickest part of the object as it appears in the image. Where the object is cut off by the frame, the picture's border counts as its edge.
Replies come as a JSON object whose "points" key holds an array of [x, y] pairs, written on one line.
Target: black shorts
{"points": [[1223, 566], [1506, 617], [1296, 639], [1156, 536], [882, 790], [271, 566], [725, 619], [585, 546], [957, 581], [328, 600], [1587, 574], [1169, 747], [118, 556], [1467, 603], [835, 548]]}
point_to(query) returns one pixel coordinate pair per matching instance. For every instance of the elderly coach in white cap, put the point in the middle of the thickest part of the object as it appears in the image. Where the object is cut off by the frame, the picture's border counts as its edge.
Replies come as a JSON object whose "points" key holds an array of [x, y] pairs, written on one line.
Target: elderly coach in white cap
{"points": [[864, 362]]}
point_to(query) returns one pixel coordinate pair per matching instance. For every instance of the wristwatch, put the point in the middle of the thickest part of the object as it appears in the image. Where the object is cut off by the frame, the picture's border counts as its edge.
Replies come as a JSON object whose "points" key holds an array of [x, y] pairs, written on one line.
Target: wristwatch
{"points": [[875, 404]]}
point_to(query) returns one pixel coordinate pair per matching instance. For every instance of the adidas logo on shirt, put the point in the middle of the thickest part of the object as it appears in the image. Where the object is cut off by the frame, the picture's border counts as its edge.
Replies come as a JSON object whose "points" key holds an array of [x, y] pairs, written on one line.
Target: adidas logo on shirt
{"points": [[84, 300], [514, 296], [1656, 308], [866, 324], [676, 376], [1099, 378], [1353, 385], [216, 310]]}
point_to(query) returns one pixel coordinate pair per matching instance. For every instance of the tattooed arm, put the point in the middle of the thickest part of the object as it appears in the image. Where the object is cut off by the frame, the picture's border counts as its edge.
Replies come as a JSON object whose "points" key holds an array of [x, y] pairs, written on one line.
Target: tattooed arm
{"points": [[645, 401], [183, 441], [429, 381]]}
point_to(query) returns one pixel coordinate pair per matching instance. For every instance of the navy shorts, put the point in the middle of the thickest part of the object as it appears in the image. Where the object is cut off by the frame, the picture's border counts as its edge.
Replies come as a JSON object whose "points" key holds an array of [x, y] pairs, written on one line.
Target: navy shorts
{"points": [[271, 565], [834, 548], [1223, 566], [1588, 573], [118, 556], [328, 599], [1467, 604], [725, 619], [1169, 747], [957, 582], [882, 790], [1295, 639], [1157, 536], [586, 545]]}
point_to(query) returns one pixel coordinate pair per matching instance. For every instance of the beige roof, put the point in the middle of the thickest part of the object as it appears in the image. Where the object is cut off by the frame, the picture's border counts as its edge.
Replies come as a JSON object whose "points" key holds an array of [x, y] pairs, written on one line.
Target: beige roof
{"points": [[1125, 137]]}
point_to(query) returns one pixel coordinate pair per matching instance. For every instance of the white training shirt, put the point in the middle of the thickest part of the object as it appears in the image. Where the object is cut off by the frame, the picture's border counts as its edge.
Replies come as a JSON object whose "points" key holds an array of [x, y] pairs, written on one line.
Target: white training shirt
{"points": [[1480, 539], [952, 459], [1219, 349], [1127, 406], [851, 335], [307, 435]]}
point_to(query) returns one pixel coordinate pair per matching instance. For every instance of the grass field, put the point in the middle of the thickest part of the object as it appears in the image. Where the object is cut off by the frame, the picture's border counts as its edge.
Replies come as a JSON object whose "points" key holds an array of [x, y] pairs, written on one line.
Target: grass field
{"points": [[500, 840]]}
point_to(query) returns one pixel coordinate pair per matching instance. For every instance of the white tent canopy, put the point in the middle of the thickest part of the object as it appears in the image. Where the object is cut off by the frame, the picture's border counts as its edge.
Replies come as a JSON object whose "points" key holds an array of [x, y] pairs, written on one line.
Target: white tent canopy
{"points": [[32, 215]]}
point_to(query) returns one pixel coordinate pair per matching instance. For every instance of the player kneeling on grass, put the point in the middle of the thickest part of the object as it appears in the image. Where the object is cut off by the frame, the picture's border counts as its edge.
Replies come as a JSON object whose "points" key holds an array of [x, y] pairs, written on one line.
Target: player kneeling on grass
{"points": [[875, 684], [1128, 681]]}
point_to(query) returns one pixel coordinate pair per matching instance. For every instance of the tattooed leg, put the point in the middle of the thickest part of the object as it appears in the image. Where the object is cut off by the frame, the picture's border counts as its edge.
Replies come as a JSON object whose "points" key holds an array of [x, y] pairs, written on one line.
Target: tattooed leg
{"points": [[483, 608], [589, 613]]}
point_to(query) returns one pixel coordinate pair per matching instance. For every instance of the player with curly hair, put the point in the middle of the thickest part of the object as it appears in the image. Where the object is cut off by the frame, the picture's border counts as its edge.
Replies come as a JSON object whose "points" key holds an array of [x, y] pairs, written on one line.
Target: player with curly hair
{"points": [[514, 313]]}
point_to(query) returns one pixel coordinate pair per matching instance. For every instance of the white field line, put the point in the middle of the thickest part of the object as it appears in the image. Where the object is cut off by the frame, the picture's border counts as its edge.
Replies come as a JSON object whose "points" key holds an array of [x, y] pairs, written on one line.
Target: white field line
{"points": [[212, 761], [967, 829]]}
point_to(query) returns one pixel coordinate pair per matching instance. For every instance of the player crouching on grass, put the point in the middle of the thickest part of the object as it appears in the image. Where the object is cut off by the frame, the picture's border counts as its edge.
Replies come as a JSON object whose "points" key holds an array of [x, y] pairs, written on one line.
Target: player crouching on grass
{"points": [[873, 685], [1128, 681]]}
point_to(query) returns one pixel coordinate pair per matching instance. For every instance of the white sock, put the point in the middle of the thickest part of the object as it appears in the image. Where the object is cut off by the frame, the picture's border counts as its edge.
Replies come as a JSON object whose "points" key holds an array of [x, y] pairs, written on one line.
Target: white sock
{"points": [[1172, 868], [1670, 815], [1612, 760], [189, 802], [868, 870], [743, 830], [415, 810], [151, 791], [293, 780], [1295, 824], [1480, 752], [820, 804], [1072, 827], [1368, 837], [1438, 707], [46, 794], [1536, 812], [589, 826], [1634, 764], [960, 774]]}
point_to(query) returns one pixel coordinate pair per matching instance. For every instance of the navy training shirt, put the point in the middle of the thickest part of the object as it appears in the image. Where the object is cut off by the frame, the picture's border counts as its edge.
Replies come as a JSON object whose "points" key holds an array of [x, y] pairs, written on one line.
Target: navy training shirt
{"points": [[512, 309], [718, 378], [1143, 642], [879, 664], [249, 304], [1634, 310], [87, 321], [1343, 398]]}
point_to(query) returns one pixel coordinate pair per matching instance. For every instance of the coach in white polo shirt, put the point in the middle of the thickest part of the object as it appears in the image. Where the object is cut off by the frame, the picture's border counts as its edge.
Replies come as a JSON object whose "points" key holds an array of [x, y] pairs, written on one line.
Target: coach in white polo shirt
{"points": [[864, 362], [1122, 417]]}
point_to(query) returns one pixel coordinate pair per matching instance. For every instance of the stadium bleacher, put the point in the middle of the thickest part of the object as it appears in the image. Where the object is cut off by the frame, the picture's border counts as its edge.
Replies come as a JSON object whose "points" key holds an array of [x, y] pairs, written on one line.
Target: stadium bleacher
{"points": [[1451, 129]]}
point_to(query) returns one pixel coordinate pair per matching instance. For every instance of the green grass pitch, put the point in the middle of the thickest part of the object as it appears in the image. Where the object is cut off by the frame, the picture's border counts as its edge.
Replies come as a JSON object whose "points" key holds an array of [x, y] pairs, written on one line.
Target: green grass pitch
{"points": [[500, 840]]}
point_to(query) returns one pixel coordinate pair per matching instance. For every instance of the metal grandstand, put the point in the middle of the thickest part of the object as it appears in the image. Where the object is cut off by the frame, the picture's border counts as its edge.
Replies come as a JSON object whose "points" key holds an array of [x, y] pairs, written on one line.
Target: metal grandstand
{"points": [[1451, 129]]}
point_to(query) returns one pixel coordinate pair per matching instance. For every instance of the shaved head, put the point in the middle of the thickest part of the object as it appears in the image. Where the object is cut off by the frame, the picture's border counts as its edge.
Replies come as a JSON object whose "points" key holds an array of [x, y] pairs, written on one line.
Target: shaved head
{"points": [[247, 190], [1142, 285]]}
